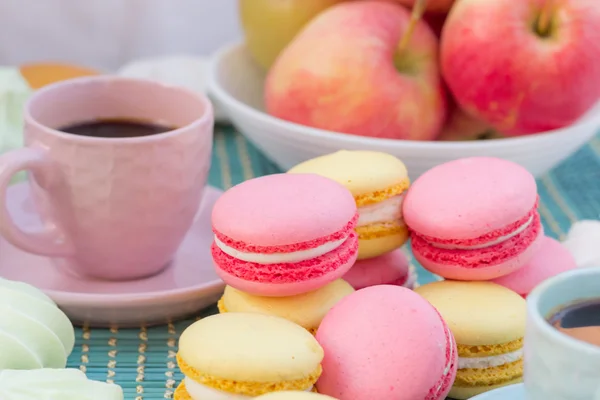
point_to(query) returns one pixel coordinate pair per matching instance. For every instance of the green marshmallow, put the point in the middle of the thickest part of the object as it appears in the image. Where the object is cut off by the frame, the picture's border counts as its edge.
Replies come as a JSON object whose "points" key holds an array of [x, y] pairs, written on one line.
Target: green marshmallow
{"points": [[14, 93], [55, 384], [45, 313], [34, 332]]}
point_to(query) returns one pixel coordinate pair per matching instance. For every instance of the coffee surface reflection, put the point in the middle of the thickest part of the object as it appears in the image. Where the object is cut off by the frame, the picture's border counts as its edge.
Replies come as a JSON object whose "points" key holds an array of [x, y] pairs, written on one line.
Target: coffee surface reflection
{"points": [[581, 321]]}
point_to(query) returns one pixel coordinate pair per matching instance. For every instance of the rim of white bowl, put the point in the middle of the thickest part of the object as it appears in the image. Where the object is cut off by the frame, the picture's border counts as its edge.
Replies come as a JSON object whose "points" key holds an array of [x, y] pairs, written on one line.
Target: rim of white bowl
{"points": [[592, 118]]}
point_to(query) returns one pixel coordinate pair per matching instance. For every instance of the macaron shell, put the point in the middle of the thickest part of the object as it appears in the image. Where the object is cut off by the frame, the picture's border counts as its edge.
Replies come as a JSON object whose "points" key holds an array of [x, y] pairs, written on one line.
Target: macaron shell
{"points": [[360, 171], [272, 210], [380, 344], [294, 396], [369, 248], [250, 348], [380, 270], [514, 256], [478, 313], [469, 197], [551, 259], [306, 310]]}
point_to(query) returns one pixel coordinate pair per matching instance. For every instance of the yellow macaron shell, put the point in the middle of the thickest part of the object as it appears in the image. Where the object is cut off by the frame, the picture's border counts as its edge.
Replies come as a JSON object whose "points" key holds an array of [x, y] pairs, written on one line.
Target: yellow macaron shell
{"points": [[294, 396], [488, 323], [306, 310], [372, 177], [249, 354], [364, 173], [478, 313], [380, 239]]}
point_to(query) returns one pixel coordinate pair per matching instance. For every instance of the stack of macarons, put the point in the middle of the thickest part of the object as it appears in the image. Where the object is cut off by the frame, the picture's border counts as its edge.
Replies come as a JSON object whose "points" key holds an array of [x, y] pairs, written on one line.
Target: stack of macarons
{"points": [[282, 244], [474, 220], [378, 182]]}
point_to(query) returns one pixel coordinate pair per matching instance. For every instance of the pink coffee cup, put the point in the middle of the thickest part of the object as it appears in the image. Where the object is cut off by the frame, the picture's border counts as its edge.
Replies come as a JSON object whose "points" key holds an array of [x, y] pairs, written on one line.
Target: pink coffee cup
{"points": [[112, 208]]}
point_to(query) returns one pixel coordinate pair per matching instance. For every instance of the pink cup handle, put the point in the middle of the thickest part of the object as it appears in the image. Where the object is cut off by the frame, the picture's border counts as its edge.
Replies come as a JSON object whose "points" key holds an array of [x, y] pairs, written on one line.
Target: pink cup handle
{"points": [[50, 240]]}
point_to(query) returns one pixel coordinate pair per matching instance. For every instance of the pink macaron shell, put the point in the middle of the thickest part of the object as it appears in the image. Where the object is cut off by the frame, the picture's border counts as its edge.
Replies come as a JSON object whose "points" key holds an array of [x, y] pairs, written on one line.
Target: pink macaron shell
{"points": [[551, 259], [390, 268], [469, 198], [386, 343], [286, 279], [298, 211], [471, 267]]}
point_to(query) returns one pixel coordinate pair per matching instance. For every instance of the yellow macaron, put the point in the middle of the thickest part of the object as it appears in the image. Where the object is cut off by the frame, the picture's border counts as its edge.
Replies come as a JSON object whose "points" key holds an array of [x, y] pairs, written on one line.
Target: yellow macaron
{"points": [[488, 323], [294, 396], [378, 182], [306, 310], [246, 354]]}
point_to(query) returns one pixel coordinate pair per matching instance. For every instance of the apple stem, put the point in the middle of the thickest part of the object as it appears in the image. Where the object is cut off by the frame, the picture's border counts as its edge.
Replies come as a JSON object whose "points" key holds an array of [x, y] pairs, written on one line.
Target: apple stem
{"points": [[544, 21], [417, 13]]}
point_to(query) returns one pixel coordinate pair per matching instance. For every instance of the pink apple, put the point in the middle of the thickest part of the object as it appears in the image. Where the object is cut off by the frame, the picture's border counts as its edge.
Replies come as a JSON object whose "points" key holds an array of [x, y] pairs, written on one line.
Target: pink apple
{"points": [[344, 72], [523, 66]]}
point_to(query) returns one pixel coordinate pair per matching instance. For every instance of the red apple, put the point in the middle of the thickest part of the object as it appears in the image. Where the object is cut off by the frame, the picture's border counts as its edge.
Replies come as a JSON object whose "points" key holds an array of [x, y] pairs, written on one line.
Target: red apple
{"points": [[523, 66], [363, 68]]}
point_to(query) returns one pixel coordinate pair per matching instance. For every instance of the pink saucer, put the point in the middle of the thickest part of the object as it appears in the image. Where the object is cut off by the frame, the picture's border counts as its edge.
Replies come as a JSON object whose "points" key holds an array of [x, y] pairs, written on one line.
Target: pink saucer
{"points": [[189, 284]]}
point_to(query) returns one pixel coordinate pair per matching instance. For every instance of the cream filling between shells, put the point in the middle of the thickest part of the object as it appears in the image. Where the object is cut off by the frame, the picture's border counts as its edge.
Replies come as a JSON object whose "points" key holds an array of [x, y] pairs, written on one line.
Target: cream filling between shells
{"points": [[383, 211], [494, 242], [277, 258], [491, 361]]}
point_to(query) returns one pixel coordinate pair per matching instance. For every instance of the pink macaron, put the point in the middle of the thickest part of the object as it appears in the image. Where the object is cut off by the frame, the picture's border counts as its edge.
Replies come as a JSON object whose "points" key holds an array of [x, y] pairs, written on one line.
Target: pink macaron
{"points": [[387, 343], [284, 234], [389, 269], [551, 259], [474, 218]]}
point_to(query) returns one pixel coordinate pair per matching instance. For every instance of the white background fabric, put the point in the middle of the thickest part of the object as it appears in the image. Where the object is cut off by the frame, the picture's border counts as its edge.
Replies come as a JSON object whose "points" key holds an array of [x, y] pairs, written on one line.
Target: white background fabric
{"points": [[106, 34]]}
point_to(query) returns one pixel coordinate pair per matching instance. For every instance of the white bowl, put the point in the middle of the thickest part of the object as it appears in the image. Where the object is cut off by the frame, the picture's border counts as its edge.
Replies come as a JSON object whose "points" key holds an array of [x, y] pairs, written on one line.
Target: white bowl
{"points": [[236, 83]]}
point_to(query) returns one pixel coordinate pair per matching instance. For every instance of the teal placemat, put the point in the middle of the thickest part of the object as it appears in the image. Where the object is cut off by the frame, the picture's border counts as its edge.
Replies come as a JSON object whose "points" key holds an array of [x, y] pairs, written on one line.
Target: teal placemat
{"points": [[142, 360]]}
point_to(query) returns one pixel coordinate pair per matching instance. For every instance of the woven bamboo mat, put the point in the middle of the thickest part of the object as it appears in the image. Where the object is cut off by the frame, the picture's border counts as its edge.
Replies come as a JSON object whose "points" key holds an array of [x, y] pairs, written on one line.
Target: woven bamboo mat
{"points": [[142, 360]]}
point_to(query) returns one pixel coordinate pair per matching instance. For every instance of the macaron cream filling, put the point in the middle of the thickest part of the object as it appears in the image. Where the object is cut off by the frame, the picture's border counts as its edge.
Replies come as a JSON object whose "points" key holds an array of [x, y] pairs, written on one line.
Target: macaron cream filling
{"points": [[277, 258], [491, 361], [489, 365], [486, 251], [498, 240], [381, 212], [198, 391]]}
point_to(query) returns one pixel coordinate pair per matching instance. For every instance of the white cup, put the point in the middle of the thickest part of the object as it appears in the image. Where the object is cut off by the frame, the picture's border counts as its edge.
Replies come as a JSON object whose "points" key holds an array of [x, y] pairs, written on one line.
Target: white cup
{"points": [[558, 367]]}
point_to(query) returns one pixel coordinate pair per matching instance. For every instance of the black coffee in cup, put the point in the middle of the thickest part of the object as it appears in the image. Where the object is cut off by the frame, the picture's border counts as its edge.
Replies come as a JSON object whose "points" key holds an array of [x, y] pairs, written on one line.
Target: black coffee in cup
{"points": [[116, 128], [580, 321]]}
